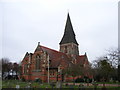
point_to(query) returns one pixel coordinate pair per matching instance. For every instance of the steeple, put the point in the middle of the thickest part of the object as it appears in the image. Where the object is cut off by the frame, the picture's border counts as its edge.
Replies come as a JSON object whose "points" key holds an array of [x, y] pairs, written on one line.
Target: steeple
{"points": [[68, 44], [69, 35]]}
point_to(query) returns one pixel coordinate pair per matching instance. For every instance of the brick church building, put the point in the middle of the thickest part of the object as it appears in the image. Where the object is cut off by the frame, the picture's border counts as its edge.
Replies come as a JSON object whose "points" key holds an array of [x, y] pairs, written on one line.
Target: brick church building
{"points": [[46, 64]]}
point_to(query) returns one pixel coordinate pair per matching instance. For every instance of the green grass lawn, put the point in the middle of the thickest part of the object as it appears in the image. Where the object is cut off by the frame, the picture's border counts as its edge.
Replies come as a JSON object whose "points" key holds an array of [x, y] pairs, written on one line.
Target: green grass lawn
{"points": [[13, 83]]}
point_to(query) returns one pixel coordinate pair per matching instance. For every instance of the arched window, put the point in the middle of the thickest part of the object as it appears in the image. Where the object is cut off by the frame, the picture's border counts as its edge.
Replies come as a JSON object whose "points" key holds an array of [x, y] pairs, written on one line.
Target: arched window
{"points": [[25, 68], [37, 62]]}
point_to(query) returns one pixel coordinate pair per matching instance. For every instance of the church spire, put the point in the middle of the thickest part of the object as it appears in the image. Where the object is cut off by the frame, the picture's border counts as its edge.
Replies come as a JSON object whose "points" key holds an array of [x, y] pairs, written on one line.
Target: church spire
{"points": [[68, 44], [69, 35]]}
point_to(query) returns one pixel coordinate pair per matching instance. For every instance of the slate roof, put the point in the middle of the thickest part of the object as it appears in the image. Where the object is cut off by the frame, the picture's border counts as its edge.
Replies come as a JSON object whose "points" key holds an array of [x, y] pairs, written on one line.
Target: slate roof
{"points": [[69, 35]]}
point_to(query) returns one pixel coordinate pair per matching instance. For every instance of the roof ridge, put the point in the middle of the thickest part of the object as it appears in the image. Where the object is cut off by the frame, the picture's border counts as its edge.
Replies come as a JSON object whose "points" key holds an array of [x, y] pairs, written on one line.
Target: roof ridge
{"points": [[52, 49], [81, 55]]}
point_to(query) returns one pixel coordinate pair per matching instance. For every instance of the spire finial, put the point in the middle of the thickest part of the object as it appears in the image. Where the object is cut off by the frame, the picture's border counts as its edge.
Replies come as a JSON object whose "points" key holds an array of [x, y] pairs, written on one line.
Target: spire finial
{"points": [[68, 11]]}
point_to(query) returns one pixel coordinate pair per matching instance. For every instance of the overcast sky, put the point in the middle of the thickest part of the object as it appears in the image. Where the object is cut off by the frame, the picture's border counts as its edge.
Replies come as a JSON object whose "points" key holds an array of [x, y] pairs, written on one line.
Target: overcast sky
{"points": [[25, 23]]}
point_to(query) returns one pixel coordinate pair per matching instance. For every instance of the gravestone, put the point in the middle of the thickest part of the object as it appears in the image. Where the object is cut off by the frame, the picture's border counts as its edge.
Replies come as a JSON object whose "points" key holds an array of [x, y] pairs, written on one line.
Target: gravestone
{"points": [[59, 85], [17, 86], [29, 85], [52, 84], [71, 86]]}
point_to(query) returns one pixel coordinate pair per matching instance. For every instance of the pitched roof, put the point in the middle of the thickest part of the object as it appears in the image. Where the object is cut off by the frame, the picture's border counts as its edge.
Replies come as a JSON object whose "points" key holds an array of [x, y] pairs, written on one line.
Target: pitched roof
{"points": [[81, 59], [69, 35], [56, 57]]}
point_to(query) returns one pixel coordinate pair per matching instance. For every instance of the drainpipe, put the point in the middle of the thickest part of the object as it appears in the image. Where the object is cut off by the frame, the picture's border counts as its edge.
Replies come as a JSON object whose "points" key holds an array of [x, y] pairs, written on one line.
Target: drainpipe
{"points": [[48, 70]]}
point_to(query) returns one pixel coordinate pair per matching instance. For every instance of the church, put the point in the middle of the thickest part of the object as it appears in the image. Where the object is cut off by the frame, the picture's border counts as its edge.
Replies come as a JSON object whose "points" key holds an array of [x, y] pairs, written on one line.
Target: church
{"points": [[47, 64]]}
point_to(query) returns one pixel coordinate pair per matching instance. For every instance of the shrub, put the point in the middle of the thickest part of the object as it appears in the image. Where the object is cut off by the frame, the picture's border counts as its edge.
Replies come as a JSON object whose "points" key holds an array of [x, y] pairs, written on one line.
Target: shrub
{"points": [[78, 80], [87, 79], [23, 79], [90, 80], [38, 80]]}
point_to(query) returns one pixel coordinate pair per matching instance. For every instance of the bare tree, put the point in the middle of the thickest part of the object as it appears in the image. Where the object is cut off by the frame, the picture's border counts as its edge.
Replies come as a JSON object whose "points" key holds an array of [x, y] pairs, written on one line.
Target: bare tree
{"points": [[5, 65], [113, 57], [106, 66], [9, 68]]}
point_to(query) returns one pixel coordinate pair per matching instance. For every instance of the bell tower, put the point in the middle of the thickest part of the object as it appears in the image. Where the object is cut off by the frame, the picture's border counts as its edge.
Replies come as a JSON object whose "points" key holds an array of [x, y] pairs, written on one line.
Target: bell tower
{"points": [[69, 44]]}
